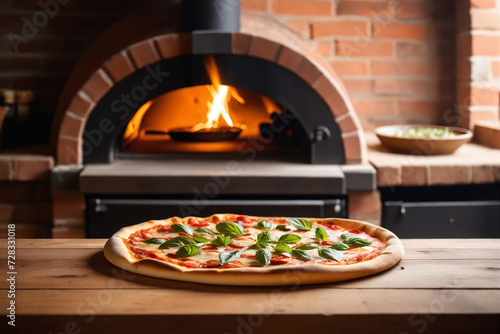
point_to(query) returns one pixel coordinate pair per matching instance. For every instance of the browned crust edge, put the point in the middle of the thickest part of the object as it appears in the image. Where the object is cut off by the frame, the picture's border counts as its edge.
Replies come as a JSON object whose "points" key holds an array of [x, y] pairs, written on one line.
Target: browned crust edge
{"points": [[117, 253]]}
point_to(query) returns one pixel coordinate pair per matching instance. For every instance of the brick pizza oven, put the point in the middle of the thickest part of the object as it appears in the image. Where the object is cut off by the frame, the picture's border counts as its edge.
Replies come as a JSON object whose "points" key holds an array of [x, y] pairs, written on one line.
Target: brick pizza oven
{"points": [[298, 171]]}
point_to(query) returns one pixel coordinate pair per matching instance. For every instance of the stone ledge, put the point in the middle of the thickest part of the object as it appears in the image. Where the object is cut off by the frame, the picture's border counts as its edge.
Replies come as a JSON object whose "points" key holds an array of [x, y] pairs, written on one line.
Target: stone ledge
{"points": [[470, 164]]}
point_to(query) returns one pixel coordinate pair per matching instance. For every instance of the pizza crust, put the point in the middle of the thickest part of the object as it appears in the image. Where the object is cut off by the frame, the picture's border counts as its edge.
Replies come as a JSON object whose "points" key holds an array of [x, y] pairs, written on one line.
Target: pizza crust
{"points": [[118, 254]]}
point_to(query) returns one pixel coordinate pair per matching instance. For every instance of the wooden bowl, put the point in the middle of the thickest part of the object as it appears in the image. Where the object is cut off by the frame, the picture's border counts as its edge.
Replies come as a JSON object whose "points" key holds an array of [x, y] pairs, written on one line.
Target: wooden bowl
{"points": [[421, 146]]}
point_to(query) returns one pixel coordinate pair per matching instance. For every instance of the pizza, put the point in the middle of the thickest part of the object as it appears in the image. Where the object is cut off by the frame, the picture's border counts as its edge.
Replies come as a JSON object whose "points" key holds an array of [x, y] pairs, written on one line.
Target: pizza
{"points": [[230, 249]]}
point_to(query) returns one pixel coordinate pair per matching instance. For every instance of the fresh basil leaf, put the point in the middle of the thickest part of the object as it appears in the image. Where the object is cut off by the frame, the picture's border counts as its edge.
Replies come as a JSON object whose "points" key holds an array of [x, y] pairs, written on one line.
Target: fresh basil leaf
{"points": [[264, 225], [230, 228], [187, 251], [198, 238], [282, 248], [154, 241], [321, 234], [357, 242], [230, 256], [299, 223], [204, 230], [330, 254], [181, 228], [221, 240], [289, 238], [177, 242], [340, 246], [282, 228], [265, 237], [306, 247], [300, 254], [263, 256], [348, 235]]}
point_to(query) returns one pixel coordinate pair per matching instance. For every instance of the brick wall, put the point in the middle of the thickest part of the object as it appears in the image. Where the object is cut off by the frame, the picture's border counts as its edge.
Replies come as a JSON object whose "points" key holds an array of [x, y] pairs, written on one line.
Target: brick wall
{"points": [[478, 70], [395, 56], [25, 195]]}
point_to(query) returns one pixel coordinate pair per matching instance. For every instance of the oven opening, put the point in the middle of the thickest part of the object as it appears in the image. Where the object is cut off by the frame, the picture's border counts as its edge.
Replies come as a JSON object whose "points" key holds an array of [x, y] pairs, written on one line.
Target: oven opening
{"points": [[210, 118]]}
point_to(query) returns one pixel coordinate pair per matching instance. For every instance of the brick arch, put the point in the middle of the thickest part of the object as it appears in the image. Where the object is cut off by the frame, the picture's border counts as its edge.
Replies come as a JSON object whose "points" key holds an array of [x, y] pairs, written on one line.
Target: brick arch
{"points": [[259, 37]]}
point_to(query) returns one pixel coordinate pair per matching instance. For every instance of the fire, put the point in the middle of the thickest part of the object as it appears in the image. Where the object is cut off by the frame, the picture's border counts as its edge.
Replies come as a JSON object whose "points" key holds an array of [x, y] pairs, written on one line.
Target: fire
{"points": [[221, 95]]}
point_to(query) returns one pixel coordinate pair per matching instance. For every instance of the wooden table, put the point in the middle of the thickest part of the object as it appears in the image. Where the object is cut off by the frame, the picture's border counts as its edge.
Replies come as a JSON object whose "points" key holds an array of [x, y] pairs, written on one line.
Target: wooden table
{"points": [[441, 286]]}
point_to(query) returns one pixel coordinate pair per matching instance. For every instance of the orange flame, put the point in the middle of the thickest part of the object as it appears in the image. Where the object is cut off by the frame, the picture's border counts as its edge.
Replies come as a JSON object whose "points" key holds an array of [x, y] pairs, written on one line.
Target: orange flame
{"points": [[221, 95]]}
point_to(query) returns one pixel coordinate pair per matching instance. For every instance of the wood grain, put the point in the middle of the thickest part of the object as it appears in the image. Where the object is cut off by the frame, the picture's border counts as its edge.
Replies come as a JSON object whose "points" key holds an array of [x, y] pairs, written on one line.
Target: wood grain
{"points": [[448, 285]]}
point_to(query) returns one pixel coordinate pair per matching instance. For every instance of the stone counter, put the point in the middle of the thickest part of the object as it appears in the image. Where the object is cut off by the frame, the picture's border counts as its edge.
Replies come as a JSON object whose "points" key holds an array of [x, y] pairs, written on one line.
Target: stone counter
{"points": [[470, 164]]}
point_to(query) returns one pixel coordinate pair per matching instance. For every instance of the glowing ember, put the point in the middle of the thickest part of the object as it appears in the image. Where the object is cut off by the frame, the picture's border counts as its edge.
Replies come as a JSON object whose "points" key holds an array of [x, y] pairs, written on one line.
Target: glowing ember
{"points": [[221, 95]]}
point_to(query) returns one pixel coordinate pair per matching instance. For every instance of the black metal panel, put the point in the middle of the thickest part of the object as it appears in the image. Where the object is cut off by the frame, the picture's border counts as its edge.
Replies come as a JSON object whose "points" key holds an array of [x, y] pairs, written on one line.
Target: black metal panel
{"points": [[106, 216], [222, 15], [466, 219], [110, 116]]}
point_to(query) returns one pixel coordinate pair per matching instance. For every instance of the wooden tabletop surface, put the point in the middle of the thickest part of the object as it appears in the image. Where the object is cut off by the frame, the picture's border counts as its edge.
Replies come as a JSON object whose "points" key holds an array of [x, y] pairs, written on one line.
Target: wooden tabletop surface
{"points": [[440, 286]]}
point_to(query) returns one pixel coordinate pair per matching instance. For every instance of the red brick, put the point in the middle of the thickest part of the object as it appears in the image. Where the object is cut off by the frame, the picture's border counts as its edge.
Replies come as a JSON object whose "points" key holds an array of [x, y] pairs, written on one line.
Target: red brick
{"points": [[81, 105], [411, 9], [477, 96], [69, 206], [366, 8], [413, 175], [463, 69], [173, 45], [462, 17], [421, 107], [68, 232], [340, 28], [485, 19], [69, 151], [485, 45], [119, 67], [411, 49], [33, 168], [425, 88], [352, 147], [254, 5], [364, 205], [344, 68], [144, 53], [363, 48], [98, 85], [72, 126], [478, 115], [389, 175], [348, 123], [375, 107], [482, 3], [326, 89], [495, 69], [241, 43], [300, 27], [395, 30], [464, 45], [358, 86], [302, 7], [324, 48], [431, 68], [6, 169], [263, 48]]}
